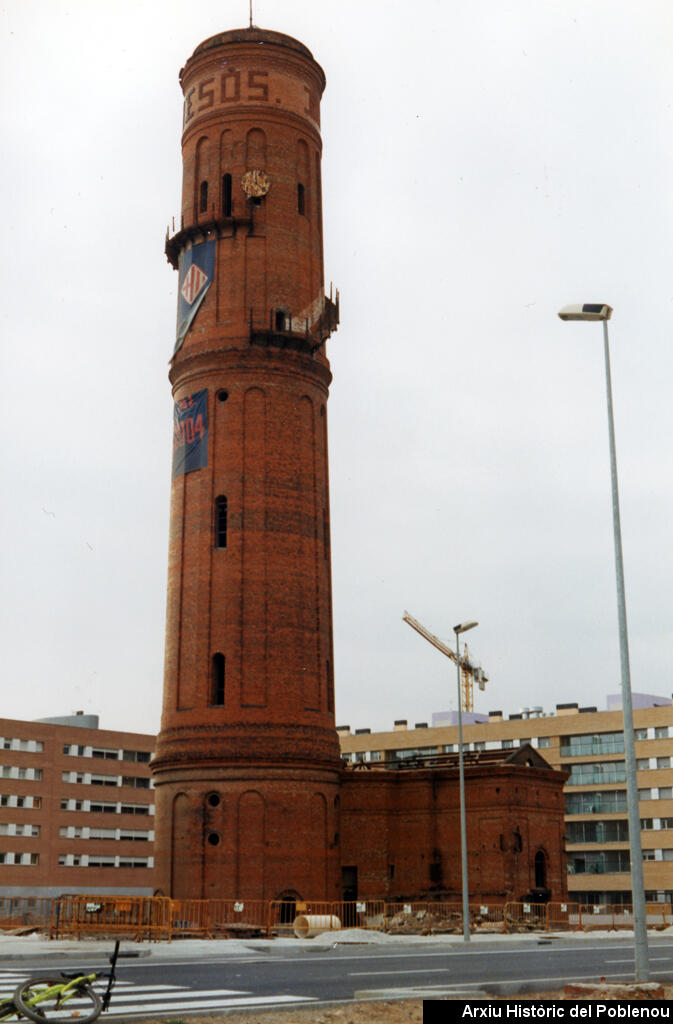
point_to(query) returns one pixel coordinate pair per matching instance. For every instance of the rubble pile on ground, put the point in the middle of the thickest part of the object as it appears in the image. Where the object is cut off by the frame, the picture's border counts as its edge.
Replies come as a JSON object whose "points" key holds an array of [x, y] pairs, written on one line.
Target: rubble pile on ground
{"points": [[424, 922]]}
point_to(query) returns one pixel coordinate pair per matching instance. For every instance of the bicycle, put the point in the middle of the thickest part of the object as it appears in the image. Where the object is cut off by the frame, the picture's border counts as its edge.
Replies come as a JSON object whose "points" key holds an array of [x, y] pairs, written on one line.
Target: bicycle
{"points": [[43, 1000]]}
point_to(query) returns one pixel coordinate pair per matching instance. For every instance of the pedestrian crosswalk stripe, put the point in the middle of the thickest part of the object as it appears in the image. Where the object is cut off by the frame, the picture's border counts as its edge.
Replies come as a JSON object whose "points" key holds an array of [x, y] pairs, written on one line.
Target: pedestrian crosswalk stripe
{"points": [[138, 1000], [216, 1004]]}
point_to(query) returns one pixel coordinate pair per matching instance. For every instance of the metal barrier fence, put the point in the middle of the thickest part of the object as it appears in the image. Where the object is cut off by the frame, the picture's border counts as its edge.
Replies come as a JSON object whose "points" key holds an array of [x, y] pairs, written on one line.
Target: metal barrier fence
{"points": [[209, 918], [24, 912], [238, 916], [137, 917], [525, 917], [162, 918], [659, 915], [282, 913], [563, 917]]}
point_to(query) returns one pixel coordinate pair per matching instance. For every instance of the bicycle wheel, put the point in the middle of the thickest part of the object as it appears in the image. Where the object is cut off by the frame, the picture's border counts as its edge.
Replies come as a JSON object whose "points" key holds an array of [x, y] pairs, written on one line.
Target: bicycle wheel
{"points": [[81, 1004]]}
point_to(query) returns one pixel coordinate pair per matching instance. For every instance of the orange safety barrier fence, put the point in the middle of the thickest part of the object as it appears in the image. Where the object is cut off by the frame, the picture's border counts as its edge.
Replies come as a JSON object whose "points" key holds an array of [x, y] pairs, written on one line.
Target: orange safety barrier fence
{"points": [[232, 916], [415, 917], [487, 917], [602, 916], [24, 912], [283, 913], [428, 918], [563, 916], [161, 918], [614, 916], [659, 915], [525, 917], [368, 914], [139, 917], [190, 917]]}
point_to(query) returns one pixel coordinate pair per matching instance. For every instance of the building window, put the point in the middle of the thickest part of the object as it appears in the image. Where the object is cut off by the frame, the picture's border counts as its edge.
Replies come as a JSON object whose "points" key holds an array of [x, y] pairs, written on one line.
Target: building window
{"points": [[596, 802], [599, 862], [107, 755], [301, 199], [661, 732], [142, 756], [104, 780], [640, 734], [203, 197], [663, 762], [135, 809], [100, 808], [226, 195], [598, 831], [597, 771], [642, 764], [137, 782], [221, 522], [217, 695], [592, 743], [665, 792]]}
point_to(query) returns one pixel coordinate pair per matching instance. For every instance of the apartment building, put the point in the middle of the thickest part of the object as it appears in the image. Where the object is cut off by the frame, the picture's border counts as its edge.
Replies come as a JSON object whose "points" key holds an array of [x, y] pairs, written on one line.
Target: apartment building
{"points": [[590, 745], [76, 809]]}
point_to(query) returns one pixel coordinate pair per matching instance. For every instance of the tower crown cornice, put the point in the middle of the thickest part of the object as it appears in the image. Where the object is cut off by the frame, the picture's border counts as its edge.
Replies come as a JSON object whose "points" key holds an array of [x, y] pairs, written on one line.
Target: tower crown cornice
{"points": [[253, 36]]}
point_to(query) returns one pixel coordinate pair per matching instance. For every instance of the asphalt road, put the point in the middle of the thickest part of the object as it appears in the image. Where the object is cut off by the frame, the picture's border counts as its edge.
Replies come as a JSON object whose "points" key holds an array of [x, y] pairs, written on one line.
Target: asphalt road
{"points": [[283, 976]]}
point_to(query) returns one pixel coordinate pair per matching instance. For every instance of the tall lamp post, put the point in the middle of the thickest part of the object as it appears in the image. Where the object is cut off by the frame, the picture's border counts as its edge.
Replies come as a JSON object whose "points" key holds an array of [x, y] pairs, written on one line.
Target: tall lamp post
{"points": [[603, 312], [462, 627]]}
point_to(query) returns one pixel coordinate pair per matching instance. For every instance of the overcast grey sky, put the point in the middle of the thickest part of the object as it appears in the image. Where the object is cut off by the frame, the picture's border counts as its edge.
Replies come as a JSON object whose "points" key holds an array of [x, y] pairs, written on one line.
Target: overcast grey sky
{"points": [[484, 164]]}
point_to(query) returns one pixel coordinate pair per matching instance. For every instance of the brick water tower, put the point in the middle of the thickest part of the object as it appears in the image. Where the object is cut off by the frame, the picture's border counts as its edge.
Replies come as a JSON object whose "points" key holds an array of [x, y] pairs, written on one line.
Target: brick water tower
{"points": [[247, 768]]}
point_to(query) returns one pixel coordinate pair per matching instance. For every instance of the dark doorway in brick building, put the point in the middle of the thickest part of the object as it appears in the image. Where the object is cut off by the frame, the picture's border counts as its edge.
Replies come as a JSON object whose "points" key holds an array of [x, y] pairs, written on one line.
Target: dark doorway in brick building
{"points": [[288, 910], [349, 893], [540, 870]]}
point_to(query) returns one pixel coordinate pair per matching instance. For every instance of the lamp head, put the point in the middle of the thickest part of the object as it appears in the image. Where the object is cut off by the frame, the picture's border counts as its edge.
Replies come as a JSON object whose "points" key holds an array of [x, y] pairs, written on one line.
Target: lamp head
{"points": [[587, 311], [463, 627]]}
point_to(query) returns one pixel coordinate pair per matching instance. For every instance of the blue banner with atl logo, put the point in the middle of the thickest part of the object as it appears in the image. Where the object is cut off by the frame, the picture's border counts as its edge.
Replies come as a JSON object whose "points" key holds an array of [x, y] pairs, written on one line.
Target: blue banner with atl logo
{"points": [[190, 433], [197, 269]]}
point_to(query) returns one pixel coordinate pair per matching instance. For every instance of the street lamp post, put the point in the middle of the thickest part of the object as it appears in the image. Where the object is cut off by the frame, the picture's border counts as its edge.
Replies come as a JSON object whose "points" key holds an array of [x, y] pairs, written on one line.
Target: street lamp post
{"points": [[603, 312], [462, 628]]}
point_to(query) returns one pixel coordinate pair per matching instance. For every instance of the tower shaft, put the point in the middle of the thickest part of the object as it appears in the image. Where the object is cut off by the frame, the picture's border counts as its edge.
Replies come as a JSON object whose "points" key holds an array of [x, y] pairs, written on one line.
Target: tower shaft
{"points": [[247, 765]]}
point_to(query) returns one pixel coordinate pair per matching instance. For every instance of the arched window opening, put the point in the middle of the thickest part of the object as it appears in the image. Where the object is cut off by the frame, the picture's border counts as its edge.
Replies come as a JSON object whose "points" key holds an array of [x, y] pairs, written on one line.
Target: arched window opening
{"points": [[540, 870], [217, 695], [203, 197], [226, 196], [301, 199], [221, 522]]}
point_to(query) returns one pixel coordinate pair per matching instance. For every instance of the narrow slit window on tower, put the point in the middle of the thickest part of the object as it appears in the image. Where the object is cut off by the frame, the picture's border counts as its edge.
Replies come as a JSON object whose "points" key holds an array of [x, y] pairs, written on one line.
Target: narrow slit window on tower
{"points": [[203, 197], [221, 522], [217, 695], [301, 199], [226, 195]]}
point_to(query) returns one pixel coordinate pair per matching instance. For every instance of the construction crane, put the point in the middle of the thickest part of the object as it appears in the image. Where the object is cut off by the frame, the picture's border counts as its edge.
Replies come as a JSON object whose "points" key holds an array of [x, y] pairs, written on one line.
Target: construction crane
{"points": [[469, 673]]}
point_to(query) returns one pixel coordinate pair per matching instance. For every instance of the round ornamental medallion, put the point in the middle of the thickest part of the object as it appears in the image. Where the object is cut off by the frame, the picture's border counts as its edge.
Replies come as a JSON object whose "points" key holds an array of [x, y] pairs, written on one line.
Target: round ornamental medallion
{"points": [[255, 184]]}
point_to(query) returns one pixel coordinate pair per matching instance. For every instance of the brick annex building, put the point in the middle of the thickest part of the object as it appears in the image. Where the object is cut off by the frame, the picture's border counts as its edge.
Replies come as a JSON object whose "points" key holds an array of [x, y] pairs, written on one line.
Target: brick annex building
{"points": [[252, 797]]}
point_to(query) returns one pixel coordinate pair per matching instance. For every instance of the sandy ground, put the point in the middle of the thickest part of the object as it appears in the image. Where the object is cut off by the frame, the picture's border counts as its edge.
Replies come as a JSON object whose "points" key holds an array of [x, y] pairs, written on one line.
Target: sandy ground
{"points": [[407, 1012]]}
